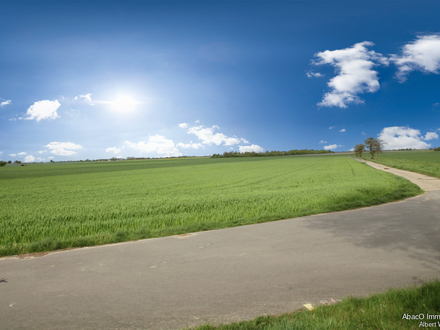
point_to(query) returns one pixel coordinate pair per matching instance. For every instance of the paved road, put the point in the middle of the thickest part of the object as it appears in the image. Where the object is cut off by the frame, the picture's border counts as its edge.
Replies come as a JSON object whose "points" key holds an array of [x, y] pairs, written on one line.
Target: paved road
{"points": [[225, 275]]}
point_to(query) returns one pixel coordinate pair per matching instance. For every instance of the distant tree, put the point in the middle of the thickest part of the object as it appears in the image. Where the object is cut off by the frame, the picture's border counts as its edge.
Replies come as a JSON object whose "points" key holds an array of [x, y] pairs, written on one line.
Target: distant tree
{"points": [[437, 149], [17, 162], [9, 162], [370, 144], [378, 147], [2, 163], [359, 149]]}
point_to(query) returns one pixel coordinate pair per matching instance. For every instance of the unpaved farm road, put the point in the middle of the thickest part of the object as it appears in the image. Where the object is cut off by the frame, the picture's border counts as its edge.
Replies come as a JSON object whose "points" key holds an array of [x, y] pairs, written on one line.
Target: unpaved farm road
{"points": [[225, 275]]}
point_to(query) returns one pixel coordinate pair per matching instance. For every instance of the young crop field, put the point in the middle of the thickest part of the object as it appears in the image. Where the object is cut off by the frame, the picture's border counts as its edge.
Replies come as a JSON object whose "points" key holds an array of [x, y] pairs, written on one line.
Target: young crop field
{"points": [[420, 161], [45, 207]]}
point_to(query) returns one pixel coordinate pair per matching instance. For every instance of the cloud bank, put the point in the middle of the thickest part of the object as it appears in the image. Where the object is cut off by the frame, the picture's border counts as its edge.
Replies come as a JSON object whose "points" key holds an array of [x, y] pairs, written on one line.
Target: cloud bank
{"points": [[114, 150], [400, 137], [251, 148], [29, 159], [331, 147], [423, 54], [355, 74], [158, 144], [63, 148], [3, 103], [43, 110], [207, 135], [190, 145]]}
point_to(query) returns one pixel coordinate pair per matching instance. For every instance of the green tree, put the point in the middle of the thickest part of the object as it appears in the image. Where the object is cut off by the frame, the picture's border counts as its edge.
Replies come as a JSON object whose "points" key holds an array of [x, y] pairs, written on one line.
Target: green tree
{"points": [[378, 147], [2, 163], [370, 144], [359, 149]]}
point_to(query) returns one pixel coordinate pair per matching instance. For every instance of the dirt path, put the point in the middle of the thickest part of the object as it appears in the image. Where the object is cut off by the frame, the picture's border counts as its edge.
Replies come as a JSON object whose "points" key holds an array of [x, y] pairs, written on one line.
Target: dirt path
{"points": [[427, 183]]}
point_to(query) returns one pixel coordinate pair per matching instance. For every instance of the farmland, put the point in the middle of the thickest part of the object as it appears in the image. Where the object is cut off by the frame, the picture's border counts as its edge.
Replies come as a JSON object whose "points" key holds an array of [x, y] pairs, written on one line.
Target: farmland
{"points": [[420, 161], [53, 206]]}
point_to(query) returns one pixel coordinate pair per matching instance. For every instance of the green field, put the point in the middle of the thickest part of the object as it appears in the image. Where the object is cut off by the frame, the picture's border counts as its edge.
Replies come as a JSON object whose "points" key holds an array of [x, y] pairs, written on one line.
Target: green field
{"points": [[420, 161], [52, 206]]}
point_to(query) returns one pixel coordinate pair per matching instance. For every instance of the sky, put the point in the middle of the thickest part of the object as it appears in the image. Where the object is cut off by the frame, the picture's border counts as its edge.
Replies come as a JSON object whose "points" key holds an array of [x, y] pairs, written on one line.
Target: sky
{"points": [[102, 79]]}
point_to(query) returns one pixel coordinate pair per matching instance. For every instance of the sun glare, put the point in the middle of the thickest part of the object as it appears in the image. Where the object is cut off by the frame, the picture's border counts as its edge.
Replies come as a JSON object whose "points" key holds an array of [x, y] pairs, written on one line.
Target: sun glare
{"points": [[124, 104]]}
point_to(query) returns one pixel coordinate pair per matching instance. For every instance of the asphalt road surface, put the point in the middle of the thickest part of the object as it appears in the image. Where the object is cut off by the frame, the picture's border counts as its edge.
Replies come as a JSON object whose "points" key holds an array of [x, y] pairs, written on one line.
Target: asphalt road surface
{"points": [[225, 275]]}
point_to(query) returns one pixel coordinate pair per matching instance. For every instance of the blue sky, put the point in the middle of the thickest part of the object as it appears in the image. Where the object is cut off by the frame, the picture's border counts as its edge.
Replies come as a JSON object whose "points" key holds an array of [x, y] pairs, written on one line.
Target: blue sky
{"points": [[102, 79]]}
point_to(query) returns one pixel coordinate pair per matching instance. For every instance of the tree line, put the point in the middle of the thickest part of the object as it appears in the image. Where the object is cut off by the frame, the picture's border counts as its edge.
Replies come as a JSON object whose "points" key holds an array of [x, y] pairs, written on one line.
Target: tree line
{"points": [[271, 153]]}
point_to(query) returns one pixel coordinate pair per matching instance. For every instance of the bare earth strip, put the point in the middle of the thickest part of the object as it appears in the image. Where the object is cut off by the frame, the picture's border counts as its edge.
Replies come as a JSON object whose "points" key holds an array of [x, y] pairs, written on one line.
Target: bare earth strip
{"points": [[225, 275]]}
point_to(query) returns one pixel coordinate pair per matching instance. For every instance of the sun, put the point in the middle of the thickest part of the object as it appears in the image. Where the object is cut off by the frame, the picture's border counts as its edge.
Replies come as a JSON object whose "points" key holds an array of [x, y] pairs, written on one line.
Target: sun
{"points": [[124, 104]]}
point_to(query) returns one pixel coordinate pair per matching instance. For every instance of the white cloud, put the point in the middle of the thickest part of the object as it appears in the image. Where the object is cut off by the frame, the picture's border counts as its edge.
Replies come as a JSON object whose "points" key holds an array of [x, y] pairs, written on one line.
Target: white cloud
{"points": [[12, 155], [42, 151], [183, 125], [158, 144], [208, 137], [22, 153], [87, 98], [311, 74], [197, 121], [331, 147], [43, 110], [51, 157], [12, 119], [114, 150], [352, 149], [251, 148], [400, 137], [430, 136], [355, 74], [363, 133], [322, 141], [41, 159], [29, 159], [331, 127], [423, 54], [190, 145], [342, 130], [63, 148], [3, 103]]}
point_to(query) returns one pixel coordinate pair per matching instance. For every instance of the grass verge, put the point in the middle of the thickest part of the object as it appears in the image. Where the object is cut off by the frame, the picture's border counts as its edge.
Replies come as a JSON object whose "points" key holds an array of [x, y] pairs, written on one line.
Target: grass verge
{"points": [[378, 311]]}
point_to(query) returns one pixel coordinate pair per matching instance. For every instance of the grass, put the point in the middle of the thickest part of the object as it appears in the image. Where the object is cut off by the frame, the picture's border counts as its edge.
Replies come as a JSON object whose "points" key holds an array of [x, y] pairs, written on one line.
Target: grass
{"points": [[420, 161], [379, 311], [55, 206]]}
